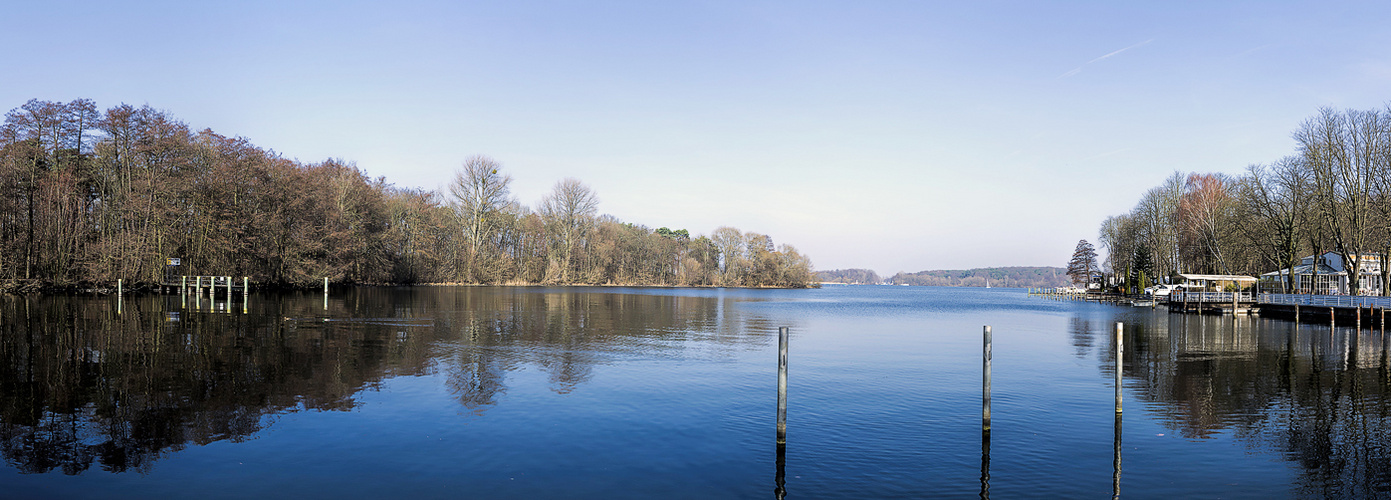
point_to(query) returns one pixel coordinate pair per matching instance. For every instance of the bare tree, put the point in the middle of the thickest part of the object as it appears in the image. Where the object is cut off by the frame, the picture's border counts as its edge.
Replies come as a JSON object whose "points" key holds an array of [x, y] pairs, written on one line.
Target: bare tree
{"points": [[480, 194], [1205, 214], [1344, 152], [730, 243], [1274, 205], [569, 210]]}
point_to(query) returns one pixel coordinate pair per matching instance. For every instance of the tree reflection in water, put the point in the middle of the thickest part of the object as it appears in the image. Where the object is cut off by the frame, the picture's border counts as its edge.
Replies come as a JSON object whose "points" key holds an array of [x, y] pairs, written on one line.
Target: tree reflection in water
{"points": [[1317, 397], [81, 384]]}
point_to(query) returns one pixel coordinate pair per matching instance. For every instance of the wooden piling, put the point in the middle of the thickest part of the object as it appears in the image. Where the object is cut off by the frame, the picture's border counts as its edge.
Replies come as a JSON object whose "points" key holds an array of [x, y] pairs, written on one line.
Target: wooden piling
{"points": [[325, 285], [1120, 353], [119, 287], [985, 382], [782, 384], [183, 285], [229, 293]]}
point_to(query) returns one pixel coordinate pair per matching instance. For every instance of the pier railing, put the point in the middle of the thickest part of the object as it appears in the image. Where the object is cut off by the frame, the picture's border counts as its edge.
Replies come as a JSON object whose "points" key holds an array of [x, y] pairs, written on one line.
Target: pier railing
{"points": [[1219, 297], [1325, 300]]}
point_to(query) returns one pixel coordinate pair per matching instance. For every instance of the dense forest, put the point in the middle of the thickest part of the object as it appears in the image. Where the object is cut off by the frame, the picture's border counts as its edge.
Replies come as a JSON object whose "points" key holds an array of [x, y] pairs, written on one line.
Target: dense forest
{"points": [[850, 276], [1333, 194], [1017, 277], [90, 196]]}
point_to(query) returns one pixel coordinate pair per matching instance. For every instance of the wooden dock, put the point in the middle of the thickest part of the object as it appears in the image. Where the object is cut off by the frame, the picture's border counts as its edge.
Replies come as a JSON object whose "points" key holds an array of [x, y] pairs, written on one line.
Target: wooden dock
{"points": [[1213, 303], [201, 285], [1335, 310], [1360, 312]]}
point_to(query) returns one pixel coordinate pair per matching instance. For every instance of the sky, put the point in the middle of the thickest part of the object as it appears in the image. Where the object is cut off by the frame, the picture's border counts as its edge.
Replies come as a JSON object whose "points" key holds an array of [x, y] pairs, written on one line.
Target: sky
{"points": [[893, 136]]}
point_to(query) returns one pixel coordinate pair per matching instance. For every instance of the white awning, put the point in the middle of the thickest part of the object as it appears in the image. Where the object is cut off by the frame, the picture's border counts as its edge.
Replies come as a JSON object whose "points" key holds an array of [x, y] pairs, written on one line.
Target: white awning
{"points": [[1219, 277]]}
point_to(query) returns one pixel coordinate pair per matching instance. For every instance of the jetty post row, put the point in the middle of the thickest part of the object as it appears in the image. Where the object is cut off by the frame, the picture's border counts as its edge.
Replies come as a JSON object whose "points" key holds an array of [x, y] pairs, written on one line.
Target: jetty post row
{"points": [[1243, 295]]}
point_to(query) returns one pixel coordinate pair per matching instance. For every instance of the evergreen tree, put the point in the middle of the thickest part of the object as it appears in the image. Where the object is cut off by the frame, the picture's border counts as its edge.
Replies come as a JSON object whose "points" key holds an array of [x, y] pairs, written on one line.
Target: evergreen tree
{"points": [[1083, 263]]}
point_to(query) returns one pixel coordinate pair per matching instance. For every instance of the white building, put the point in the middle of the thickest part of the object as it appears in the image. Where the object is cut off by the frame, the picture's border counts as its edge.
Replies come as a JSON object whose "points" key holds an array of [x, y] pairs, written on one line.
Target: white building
{"points": [[1328, 277]]}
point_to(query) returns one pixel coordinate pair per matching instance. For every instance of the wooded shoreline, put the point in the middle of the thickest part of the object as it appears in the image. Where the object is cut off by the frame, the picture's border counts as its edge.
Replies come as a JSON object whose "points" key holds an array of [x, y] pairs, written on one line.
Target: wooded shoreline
{"points": [[88, 197]]}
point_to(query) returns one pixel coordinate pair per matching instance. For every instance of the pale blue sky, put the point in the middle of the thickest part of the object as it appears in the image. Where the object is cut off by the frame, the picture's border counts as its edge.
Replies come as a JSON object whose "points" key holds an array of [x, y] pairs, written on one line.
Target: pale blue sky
{"points": [[898, 136]]}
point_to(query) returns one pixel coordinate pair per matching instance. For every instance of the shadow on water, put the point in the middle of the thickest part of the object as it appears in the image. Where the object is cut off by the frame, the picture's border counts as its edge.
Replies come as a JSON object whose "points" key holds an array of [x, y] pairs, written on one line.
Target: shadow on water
{"points": [[83, 384]]}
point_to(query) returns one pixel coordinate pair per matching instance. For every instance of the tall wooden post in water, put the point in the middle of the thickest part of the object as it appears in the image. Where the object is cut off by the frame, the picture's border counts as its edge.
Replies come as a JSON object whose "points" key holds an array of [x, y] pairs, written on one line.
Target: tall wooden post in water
{"points": [[985, 381], [782, 385], [1120, 353]]}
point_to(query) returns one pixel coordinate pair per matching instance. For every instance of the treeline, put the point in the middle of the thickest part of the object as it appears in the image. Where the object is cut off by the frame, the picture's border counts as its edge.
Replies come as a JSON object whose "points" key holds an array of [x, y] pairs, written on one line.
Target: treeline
{"points": [[1332, 194], [850, 276], [1016, 277], [90, 196]]}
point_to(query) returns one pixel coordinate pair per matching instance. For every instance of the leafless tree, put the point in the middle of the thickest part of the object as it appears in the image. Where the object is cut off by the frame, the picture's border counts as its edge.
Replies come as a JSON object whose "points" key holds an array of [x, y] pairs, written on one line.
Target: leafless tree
{"points": [[1345, 153], [479, 197], [569, 210]]}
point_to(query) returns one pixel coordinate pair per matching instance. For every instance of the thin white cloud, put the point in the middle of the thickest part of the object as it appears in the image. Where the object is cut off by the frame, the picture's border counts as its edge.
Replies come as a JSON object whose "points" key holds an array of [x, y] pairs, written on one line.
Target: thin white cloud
{"points": [[1121, 50], [1113, 53]]}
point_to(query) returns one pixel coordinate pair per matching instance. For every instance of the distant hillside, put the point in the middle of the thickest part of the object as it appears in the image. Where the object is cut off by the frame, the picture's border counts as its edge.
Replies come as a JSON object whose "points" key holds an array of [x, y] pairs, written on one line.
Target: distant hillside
{"points": [[1018, 277], [850, 276]]}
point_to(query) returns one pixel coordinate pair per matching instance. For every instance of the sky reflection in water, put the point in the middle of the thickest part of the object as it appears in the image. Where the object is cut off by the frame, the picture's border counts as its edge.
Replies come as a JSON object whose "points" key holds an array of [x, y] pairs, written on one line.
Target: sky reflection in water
{"points": [[613, 392]]}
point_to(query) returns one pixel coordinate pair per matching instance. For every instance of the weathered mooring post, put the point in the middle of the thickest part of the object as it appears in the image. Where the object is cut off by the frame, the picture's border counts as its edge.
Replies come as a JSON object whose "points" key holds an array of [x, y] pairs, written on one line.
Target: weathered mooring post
{"points": [[985, 381], [783, 335], [183, 285], [119, 289], [1120, 353]]}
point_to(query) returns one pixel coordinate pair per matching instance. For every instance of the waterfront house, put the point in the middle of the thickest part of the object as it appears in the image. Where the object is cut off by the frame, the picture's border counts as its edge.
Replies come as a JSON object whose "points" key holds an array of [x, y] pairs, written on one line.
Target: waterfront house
{"points": [[1326, 274], [1216, 282]]}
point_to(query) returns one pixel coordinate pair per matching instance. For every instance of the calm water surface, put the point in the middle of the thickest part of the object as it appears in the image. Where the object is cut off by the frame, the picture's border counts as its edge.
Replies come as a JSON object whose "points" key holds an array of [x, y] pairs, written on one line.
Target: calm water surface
{"points": [[641, 393]]}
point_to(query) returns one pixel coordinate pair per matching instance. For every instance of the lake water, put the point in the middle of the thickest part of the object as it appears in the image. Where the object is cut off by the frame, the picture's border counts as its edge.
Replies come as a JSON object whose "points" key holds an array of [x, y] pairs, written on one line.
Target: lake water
{"points": [[531, 392]]}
